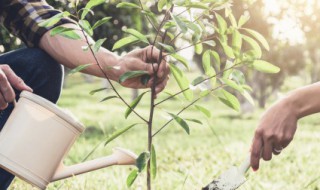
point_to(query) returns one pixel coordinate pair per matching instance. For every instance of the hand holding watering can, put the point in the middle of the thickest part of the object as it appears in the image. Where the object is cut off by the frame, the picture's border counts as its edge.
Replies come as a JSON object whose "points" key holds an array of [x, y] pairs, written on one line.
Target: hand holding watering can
{"points": [[36, 139]]}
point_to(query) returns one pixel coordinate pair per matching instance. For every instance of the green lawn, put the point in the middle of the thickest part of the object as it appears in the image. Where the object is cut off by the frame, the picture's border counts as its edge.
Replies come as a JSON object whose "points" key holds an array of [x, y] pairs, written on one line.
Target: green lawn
{"points": [[184, 161]]}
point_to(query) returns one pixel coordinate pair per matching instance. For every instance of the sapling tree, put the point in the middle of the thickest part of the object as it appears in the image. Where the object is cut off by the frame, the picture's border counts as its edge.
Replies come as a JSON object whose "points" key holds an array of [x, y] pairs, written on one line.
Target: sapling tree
{"points": [[177, 25]]}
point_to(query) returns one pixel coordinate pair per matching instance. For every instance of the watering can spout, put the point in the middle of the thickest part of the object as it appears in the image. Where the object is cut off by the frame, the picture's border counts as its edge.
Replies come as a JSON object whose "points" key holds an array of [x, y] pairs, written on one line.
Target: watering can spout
{"points": [[119, 157]]}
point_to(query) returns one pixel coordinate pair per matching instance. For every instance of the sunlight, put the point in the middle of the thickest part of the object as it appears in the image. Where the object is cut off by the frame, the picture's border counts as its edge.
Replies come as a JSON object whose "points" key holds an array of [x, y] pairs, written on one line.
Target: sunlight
{"points": [[272, 6], [286, 28]]}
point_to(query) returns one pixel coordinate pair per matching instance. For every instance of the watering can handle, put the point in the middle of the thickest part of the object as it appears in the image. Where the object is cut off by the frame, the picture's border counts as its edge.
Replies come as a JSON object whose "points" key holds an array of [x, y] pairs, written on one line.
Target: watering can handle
{"points": [[119, 157], [245, 165]]}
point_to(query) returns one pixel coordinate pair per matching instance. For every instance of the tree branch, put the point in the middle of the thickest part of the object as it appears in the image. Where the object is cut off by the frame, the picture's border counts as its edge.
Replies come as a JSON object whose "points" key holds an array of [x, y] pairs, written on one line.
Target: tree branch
{"points": [[176, 94], [185, 108]]}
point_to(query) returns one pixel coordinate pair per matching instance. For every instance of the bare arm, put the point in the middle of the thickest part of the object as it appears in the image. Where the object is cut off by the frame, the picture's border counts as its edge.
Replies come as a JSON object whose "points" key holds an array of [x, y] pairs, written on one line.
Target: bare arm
{"points": [[278, 124], [69, 53]]}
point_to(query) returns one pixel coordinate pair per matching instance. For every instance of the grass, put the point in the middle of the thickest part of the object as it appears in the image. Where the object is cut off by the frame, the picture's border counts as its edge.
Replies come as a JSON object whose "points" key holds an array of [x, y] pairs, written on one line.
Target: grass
{"points": [[184, 162]]}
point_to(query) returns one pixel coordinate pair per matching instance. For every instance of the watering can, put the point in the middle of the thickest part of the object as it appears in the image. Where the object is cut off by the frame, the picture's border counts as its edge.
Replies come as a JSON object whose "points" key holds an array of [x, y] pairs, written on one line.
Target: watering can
{"points": [[37, 137]]}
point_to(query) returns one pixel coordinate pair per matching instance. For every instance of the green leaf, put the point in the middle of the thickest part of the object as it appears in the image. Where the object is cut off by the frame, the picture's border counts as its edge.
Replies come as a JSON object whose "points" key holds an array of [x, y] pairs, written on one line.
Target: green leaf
{"points": [[149, 14], [229, 99], [233, 20], [228, 50], [197, 5], [71, 34], [205, 111], [101, 22], [258, 37], [127, 5], [198, 48], [134, 104], [85, 25], [195, 121], [54, 20], [85, 48], [216, 58], [168, 48], [205, 93], [153, 161], [145, 79], [85, 11], [198, 80], [196, 37], [97, 90], [255, 46], [195, 28], [169, 24], [98, 44], [132, 177], [247, 95], [161, 4], [108, 98], [170, 35], [238, 76], [89, 5], [236, 41], [246, 87], [181, 122], [137, 34], [182, 26], [79, 68], [130, 75], [232, 84], [206, 63], [182, 81], [243, 20], [222, 24], [124, 42], [117, 133], [181, 59], [227, 69], [265, 66], [50, 22], [211, 43], [94, 3], [142, 160], [59, 30]]}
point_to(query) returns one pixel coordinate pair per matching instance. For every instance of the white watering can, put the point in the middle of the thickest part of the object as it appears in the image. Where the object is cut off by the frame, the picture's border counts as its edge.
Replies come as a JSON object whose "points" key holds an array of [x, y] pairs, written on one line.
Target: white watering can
{"points": [[36, 139]]}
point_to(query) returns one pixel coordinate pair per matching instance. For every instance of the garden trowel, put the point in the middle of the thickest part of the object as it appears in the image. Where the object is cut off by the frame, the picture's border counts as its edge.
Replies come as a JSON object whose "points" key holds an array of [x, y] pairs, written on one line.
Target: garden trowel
{"points": [[230, 179]]}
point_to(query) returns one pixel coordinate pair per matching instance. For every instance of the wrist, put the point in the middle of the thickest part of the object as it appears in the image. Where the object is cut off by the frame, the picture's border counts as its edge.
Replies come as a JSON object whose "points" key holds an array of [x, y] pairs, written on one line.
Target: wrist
{"points": [[298, 106], [109, 62]]}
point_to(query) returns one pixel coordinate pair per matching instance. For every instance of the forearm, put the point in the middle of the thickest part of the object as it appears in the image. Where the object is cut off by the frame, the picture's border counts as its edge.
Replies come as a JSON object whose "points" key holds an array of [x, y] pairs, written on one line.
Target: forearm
{"points": [[304, 101], [70, 53]]}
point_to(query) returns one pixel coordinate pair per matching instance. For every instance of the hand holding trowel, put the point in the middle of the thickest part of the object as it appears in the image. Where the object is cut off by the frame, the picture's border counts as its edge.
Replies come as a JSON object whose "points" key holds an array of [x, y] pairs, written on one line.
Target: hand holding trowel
{"points": [[230, 179]]}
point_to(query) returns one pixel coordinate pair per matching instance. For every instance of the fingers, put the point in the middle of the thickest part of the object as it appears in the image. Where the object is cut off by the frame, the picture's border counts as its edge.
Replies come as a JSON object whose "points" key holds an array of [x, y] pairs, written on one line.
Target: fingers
{"points": [[14, 80], [9, 79], [160, 87], [152, 56], [256, 151], [277, 149], [164, 69], [267, 150], [146, 60], [3, 103], [7, 94]]}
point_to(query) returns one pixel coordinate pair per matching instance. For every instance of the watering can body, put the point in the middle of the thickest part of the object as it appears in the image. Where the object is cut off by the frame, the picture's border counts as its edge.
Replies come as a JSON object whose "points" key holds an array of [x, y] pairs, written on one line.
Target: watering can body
{"points": [[36, 139]]}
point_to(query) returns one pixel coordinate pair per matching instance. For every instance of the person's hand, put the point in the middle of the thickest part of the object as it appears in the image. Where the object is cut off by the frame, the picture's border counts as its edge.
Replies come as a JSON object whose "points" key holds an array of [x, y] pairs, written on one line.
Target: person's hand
{"points": [[8, 81], [144, 59], [275, 131]]}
